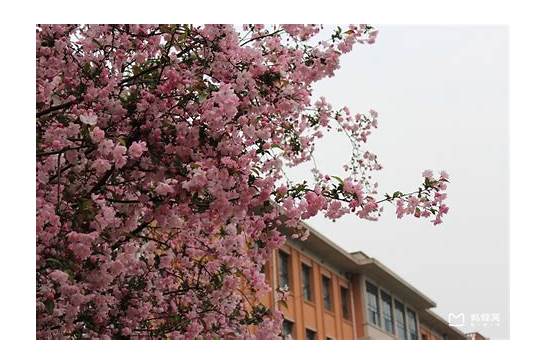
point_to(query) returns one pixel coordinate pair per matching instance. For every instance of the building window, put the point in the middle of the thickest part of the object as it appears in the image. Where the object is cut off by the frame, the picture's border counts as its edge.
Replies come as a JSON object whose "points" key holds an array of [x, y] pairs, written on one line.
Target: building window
{"points": [[287, 330], [326, 293], [412, 323], [345, 306], [310, 334], [307, 279], [373, 304], [400, 318], [284, 270], [386, 302]]}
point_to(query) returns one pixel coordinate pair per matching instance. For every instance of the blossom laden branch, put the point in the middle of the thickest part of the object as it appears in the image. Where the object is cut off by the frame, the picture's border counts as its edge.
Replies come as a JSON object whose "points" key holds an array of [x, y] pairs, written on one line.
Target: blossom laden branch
{"points": [[160, 185]]}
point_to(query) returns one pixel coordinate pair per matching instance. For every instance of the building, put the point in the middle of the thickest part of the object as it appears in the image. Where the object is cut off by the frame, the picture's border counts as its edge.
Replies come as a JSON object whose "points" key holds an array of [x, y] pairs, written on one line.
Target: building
{"points": [[433, 327], [475, 336], [333, 294]]}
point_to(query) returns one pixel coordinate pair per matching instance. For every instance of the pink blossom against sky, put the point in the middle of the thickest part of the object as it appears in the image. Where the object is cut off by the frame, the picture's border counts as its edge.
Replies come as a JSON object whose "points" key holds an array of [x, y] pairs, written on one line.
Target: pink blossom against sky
{"points": [[445, 89]]}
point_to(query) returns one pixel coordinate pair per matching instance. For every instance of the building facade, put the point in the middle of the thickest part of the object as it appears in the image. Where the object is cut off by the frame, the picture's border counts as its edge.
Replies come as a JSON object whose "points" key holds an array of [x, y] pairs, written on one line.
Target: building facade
{"points": [[332, 294], [475, 336]]}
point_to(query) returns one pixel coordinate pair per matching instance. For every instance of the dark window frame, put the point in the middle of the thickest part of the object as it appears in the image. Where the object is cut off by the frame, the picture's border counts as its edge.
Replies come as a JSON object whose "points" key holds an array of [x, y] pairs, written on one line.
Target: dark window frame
{"points": [[327, 301], [310, 334], [387, 307], [284, 275], [412, 319], [400, 309], [291, 333], [374, 313], [346, 311], [307, 292]]}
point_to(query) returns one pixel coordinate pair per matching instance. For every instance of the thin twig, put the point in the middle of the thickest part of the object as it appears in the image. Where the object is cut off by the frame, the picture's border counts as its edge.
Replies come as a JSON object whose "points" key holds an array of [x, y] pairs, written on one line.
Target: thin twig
{"points": [[263, 36]]}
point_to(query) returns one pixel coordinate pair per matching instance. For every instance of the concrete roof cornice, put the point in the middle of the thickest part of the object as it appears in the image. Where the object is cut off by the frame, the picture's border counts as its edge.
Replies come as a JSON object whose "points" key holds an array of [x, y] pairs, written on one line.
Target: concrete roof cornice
{"points": [[360, 263]]}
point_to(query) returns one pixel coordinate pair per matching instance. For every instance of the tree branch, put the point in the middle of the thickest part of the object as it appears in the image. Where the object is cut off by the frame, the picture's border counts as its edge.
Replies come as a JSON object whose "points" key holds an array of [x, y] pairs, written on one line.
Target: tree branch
{"points": [[57, 107], [263, 36]]}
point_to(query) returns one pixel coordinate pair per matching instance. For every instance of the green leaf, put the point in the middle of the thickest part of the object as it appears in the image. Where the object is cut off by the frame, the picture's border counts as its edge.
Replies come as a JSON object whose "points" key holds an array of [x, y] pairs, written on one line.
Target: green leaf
{"points": [[50, 306], [54, 263]]}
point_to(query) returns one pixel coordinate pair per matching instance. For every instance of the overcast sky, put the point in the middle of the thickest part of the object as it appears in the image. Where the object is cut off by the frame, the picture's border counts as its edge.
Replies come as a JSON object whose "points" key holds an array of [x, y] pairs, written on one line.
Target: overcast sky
{"points": [[442, 97]]}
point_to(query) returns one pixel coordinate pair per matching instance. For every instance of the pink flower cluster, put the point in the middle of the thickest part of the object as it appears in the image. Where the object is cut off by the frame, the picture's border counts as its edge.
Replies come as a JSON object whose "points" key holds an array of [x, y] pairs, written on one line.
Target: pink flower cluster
{"points": [[428, 201], [160, 189]]}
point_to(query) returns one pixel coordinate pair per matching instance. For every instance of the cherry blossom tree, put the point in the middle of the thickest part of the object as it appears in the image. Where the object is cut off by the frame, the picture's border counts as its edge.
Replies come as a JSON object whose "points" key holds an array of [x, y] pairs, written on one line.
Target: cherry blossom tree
{"points": [[160, 173]]}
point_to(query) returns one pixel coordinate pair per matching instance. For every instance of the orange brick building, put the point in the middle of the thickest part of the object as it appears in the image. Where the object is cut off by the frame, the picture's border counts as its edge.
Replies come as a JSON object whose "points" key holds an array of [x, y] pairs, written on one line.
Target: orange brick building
{"points": [[333, 294]]}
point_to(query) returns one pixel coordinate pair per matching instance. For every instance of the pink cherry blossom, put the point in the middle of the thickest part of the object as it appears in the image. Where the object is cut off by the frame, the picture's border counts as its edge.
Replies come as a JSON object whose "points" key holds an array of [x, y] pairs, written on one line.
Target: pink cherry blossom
{"points": [[164, 189], [101, 165], [136, 149], [160, 173], [97, 134], [88, 118], [427, 173], [119, 155]]}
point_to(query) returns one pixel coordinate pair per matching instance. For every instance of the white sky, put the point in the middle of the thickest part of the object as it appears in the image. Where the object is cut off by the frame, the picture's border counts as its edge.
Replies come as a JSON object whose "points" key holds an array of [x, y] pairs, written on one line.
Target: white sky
{"points": [[442, 97]]}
